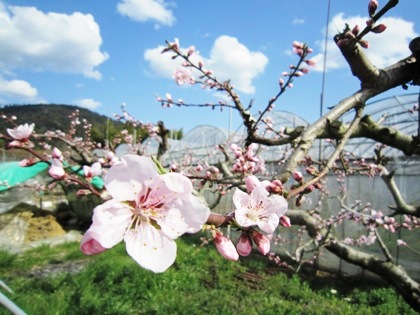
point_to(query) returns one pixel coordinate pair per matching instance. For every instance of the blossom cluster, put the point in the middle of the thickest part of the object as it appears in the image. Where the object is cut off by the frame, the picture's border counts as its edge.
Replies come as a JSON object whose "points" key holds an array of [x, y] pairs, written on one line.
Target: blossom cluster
{"points": [[257, 214]]}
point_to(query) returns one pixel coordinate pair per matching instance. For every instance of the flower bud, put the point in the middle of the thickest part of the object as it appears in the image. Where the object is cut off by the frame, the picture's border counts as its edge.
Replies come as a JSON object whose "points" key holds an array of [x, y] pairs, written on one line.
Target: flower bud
{"points": [[251, 182], [298, 176], [262, 242], [89, 245], [244, 244], [275, 186], [285, 221], [225, 247], [378, 28], [372, 6], [56, 170], [56, 154], [355, 30], [364, 43]]}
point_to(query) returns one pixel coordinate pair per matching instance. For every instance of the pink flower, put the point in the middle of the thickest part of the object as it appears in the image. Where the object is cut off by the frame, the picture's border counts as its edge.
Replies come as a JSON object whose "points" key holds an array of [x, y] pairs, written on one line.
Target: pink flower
{"points": [[183, 76], [225, 246], [262, 242], [56, 170], [92, 171], [147, 210], [257, 207], [244, 244], [21, 132]]}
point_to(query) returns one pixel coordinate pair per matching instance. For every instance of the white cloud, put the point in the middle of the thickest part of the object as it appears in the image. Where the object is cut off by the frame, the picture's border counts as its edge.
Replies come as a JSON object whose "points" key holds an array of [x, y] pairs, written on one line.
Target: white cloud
{"points": [[229, 59], [384, 50], [17, 90], [298, 21], [38, 41], [87, 103], [145, 10]]}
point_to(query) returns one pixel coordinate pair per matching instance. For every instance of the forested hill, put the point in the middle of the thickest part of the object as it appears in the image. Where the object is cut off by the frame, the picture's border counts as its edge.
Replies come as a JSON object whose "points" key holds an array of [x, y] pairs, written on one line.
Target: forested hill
{"points": [[49, 116], [56, 117]]}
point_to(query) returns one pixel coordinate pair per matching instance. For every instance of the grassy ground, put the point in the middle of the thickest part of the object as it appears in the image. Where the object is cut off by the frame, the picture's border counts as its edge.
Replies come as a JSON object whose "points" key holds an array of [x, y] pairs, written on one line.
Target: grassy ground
{"points": [[45, 282]]}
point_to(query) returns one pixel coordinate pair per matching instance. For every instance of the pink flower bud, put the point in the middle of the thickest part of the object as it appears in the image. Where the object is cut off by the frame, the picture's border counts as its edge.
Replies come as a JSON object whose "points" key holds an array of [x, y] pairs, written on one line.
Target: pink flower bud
{"points": [[262, 242], [285, 221], [311, 170], [298, 176], [56, 170], [372, 6], [191, 51], [309, 189], [310, 62], [281, 82], [355, 30], [56, 154], [251, 182], [90, 246], [225, 247], [364, 43], [244, 244], [378, 28], [275, 186]]}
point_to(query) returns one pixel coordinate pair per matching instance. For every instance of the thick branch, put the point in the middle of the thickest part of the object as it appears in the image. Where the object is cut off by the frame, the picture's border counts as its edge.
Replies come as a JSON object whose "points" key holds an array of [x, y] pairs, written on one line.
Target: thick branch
{"points": [[401, 73], [333, 157], [402, 206], [394, 274]]}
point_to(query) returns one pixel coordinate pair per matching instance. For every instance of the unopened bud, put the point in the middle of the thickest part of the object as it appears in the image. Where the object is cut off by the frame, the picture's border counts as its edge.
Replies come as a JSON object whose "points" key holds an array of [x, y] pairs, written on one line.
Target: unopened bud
{"points": [[372, 6], [225, 247], [285, 221], [262, 242], [378, 28], [244, 244]]}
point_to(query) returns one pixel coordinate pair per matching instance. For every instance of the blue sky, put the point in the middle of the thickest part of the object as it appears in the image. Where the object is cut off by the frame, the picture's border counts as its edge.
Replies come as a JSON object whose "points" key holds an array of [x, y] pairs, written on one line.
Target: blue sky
{"points": [[99, 54]]}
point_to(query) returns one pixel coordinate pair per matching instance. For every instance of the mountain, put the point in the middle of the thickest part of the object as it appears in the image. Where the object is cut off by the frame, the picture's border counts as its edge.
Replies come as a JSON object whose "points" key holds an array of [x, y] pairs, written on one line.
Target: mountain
{"points": [[56, 117]]}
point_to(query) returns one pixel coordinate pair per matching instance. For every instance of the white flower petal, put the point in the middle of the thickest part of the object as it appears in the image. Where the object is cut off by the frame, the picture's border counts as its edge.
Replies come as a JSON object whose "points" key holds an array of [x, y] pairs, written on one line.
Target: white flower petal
{"points": [[195, 214], [125, 179], [177, 183], [150, 248], [269, 223], [173, 223], [240, 198], [110, 221], [278, 205]]}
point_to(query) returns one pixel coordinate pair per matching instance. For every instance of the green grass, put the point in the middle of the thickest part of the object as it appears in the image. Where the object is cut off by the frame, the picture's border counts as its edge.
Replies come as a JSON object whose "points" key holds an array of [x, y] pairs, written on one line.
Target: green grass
{"points": [[200, 282]]}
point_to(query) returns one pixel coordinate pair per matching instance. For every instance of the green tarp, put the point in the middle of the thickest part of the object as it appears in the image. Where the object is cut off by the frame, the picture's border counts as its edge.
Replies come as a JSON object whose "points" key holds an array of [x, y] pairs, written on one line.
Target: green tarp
{"points": [[14, 174]]}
